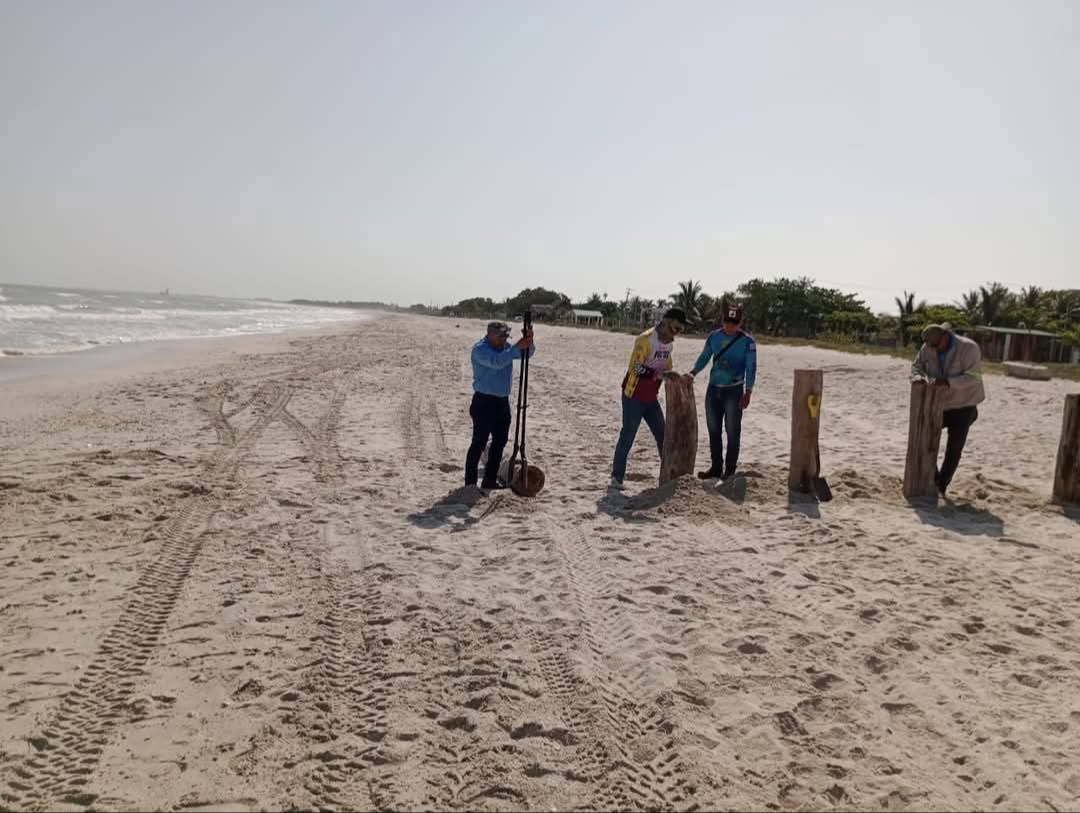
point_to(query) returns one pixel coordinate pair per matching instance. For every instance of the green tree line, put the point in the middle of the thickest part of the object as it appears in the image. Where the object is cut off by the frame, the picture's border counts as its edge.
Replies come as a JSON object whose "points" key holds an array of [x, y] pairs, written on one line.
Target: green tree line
{"points": [[799, 308], [995, 305]]}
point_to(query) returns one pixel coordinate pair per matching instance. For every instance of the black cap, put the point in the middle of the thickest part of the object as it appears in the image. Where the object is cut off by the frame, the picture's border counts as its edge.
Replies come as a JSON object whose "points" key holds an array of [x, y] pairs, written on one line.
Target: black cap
{"points": [[678, 314], [733, 313]]}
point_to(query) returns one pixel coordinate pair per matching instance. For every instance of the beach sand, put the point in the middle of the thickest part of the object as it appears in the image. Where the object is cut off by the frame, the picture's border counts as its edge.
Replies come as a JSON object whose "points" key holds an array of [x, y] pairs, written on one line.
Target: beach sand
{"points": [[243, 575]]}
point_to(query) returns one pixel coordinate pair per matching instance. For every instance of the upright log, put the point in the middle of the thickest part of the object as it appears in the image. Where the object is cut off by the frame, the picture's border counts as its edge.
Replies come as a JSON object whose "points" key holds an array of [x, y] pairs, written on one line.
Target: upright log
{"points": [[805, 421], [924, 439], [1067, 472], [680, 432]]}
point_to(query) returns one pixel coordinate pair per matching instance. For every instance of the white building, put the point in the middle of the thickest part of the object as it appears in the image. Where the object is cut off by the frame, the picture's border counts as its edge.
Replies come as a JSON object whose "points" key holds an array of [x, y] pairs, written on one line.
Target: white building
{"points": [[588, 317]]}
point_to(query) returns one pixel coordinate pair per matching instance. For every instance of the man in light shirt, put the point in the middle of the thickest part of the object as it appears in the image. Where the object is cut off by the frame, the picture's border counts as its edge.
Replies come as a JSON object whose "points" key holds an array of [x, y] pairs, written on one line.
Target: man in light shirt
{"points": [[949, 360], [493, 373]]}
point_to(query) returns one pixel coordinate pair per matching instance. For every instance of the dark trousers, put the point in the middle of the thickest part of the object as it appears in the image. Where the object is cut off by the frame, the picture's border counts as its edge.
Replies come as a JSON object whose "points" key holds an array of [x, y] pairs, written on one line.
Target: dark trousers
{"points": [[723, 410], [490, 418], [633, 412], [957, 422]]}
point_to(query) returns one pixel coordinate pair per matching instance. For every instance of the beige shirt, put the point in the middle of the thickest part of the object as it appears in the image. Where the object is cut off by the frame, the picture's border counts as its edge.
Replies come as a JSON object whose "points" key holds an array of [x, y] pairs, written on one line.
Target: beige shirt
{"points": [[963, 371]]}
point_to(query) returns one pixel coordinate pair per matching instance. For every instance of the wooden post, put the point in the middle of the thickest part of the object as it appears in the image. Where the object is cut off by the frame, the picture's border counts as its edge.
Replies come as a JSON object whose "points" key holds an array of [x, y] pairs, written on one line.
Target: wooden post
{"points": [[924, 439], [680, 433], [1067, 473], [805, 419]]}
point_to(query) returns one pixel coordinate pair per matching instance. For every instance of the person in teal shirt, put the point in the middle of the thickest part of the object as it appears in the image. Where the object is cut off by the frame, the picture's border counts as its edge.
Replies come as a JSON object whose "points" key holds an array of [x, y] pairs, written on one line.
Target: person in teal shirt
{"points": [[733, 353]]}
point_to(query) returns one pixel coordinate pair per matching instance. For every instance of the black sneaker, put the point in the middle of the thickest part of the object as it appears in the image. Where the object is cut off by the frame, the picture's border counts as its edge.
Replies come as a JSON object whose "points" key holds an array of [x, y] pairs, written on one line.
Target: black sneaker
{"points": [[728, 474], [710, 474]]}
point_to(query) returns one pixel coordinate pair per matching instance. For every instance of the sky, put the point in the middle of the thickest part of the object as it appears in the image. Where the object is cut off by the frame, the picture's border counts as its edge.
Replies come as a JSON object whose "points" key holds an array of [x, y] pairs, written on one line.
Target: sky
{"points": [[426, 152]]}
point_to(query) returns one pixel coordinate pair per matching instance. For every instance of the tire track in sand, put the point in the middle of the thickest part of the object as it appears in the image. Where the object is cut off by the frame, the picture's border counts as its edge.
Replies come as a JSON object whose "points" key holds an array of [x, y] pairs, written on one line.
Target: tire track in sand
{"points": [[457, 748], [346, 689], [321, 442], [77, 732], [628, 751]]}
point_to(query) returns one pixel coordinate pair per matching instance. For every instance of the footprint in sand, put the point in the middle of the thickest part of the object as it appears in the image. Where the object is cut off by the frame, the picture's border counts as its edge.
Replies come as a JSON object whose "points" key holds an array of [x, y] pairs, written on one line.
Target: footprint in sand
{"points": [[749, 648], [875, 664]]}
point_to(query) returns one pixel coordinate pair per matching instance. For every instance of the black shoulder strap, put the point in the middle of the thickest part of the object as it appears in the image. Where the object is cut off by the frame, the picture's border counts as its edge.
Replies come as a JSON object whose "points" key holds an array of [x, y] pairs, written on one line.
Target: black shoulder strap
{"points": [[727, 346]]}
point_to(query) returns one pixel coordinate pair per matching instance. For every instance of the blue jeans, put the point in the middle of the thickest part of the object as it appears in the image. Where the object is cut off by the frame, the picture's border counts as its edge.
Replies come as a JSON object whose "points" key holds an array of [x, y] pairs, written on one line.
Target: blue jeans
{"points": [[632, 414], [722, 408]]}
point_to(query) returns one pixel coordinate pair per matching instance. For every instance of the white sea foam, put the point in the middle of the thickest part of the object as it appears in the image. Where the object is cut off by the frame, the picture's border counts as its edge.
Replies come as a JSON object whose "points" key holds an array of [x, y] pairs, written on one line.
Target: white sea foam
{"points": [[33, 321]]}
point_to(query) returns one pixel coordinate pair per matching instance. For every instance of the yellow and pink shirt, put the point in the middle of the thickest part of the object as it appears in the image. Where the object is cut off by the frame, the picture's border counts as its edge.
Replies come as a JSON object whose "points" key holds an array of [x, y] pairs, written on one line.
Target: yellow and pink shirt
{"points": [[649, 360]]}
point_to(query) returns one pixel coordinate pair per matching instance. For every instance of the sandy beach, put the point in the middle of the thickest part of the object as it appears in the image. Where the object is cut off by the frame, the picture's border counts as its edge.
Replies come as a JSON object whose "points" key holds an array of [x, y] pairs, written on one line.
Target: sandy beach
{"points": [[242, 575]]}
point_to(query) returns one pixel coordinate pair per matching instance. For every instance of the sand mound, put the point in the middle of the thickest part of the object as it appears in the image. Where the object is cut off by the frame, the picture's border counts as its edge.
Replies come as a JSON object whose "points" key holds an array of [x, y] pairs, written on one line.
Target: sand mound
{"points": [[686, 496]]}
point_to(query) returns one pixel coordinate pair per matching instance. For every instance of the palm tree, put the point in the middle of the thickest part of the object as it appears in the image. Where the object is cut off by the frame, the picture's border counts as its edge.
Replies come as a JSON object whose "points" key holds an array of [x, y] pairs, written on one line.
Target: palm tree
{"points": [[688, 297], [594, 302], [993, 301], [706, 306], [1031, 308], [1030, 297], [908, 309], [969, 304]]}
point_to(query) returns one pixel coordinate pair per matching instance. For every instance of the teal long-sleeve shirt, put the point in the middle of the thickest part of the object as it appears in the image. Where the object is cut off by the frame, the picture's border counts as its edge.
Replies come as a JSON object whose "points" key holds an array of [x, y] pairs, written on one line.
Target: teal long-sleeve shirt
{"points": [[737, 366]]}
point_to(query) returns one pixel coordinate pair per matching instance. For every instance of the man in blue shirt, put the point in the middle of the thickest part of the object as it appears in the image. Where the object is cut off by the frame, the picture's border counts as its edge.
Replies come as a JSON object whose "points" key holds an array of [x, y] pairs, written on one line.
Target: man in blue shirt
{"points": [[733, 353], [493, 374]]}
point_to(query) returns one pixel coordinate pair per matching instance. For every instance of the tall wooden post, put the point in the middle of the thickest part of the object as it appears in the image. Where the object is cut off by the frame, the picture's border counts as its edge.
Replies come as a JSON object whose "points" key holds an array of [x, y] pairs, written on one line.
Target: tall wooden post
{"points": [[805, 420], [680, 434], [924, 439], [1067, 472]]}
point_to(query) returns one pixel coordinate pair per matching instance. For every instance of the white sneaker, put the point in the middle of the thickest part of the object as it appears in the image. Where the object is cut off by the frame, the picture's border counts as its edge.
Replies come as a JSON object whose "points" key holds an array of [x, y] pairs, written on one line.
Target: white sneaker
{"points": [[616, 484]]}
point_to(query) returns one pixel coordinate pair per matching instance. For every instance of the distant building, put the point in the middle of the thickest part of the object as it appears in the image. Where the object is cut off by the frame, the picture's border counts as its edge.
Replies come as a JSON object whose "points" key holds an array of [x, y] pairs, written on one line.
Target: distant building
{"points": [[588, 317], [1019, 344], [545, 312]]}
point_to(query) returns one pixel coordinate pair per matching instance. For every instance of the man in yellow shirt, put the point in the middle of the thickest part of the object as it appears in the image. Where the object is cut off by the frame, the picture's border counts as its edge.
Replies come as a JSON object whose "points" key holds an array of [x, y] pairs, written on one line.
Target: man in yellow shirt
{"points": [[650, 363]]}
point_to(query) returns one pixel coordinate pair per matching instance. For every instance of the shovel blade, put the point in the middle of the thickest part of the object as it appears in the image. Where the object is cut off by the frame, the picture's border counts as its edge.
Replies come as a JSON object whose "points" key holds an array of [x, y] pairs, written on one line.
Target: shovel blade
{"points": [[821, 489], [528, 482]]}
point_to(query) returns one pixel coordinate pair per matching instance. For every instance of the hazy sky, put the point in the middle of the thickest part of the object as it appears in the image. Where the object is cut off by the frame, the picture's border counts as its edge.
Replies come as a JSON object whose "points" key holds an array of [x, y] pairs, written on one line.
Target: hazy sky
{"points": [[428, 151]]}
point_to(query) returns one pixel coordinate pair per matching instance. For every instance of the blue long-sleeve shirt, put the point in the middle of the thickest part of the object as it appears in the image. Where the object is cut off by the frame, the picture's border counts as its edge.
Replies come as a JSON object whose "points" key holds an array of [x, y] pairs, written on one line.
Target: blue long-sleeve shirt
{"points": [[493, 370], [738, 365]]}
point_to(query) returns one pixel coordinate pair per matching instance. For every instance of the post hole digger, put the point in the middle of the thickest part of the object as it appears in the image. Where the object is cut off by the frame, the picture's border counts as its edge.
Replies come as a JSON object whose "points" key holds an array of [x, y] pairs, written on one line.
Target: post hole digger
{"points": [[525, 479]]}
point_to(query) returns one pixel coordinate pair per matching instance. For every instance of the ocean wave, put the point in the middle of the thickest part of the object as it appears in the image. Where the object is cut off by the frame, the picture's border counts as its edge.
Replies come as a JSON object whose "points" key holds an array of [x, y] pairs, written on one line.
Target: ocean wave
{"points": [[67, 294], [45, 329], [8, 312]]}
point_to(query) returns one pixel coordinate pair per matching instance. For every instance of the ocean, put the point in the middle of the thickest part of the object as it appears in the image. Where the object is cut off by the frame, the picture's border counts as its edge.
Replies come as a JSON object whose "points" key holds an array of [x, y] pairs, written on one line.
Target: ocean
{"points": [[36, 320]]}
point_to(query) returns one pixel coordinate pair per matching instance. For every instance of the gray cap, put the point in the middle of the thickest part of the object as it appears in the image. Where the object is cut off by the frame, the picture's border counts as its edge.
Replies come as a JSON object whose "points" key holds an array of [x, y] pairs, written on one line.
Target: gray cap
{"points": [[933, 333], [499, 328]]}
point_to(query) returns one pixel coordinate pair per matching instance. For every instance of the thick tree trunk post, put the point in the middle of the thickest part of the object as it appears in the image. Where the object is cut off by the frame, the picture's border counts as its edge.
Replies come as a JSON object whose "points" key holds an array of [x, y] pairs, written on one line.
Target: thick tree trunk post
{"points": [[680, 431], [924, 439], [1067, 472], [805, 421]]}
